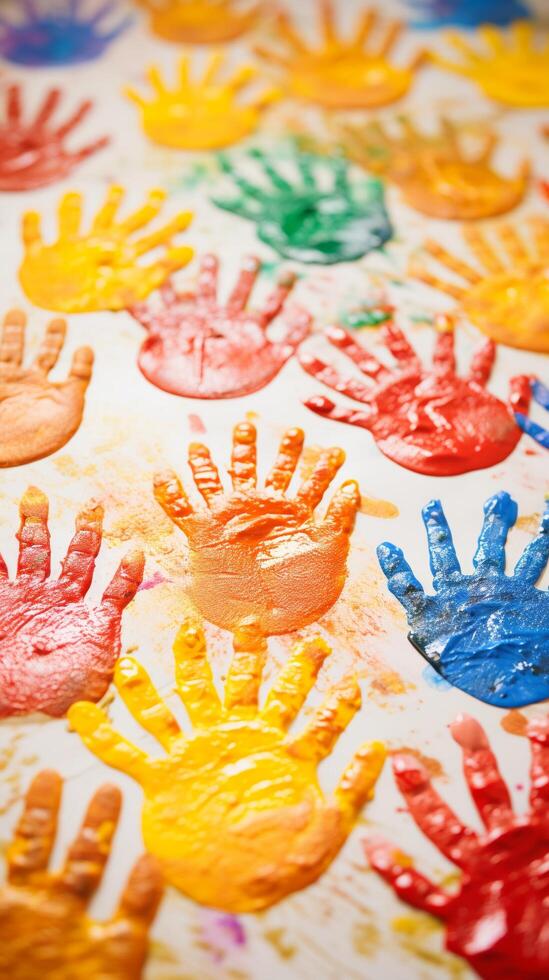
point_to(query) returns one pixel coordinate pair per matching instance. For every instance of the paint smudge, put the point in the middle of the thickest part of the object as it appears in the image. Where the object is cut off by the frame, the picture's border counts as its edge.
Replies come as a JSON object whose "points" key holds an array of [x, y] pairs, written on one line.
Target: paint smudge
{"points": [[508, 66], [506, 300], [65, 36], [200, 21], [151, 583], [436, 174], [71, 275], [51, 906], [196, 425], [514, 722], [418, 936], [303, 219], [283, 833], [221, 934], [200, 347], [38, 416], [428, 420], [339, 73], [433, 766], [376, 507], [54, 648], [277, 938], [541, 396], [201, 115], [495, 919], [256, 552], [486, 633], [435, 680]]}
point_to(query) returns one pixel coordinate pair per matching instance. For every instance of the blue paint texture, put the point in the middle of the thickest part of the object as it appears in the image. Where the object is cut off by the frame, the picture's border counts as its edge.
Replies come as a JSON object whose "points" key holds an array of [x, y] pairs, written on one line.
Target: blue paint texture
{"points": [[541, 396], [466, 13], [486, 633], [302, 218], [64, 36]]}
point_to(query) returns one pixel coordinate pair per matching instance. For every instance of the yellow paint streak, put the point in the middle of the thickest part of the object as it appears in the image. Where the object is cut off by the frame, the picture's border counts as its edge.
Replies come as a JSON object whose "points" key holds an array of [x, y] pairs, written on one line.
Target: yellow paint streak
{"points": [[376, 507]]}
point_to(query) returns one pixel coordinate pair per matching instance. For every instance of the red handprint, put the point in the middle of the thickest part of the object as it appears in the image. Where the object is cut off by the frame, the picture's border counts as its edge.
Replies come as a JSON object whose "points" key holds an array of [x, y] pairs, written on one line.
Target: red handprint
{"points": [[428, 420], [497, 920], [54, 648], [199, 348], [33, 154]]}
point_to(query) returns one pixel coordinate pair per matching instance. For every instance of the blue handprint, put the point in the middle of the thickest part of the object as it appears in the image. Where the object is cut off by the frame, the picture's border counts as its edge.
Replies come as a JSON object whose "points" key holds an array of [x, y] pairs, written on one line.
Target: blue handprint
{"points": [[58, 37], [541, 395], [466, 13], [305, 217], [487, 633]]}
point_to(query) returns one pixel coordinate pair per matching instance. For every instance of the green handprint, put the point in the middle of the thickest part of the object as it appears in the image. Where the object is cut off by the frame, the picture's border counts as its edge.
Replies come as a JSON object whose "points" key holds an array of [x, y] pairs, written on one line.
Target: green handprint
{"points": [[307, 217]]}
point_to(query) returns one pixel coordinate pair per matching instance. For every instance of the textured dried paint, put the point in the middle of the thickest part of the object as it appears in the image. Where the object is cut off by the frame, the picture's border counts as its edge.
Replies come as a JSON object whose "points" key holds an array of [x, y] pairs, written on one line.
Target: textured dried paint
{"points": [[511, 67], [200, 21], [509, 298], [428, 420], [541, 395], [69, 34], [198, 347], [487, 633], [234, 813], [38, 416], [471, 13], [256, 552], [434, 172], [99, 269], [54, 647], [305, 218], [201, 115], [34, 153], [45, 930], [342, 74], [497, 919]]}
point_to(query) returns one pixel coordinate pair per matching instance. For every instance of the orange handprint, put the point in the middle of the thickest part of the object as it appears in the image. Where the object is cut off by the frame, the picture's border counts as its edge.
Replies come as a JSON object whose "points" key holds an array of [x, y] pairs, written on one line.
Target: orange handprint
{"points": [[203, 115], [257, 552], [509, 69], [234, 813], [38, 416], [434, 172], [509, 299], [200, 21], [342, 74], [44, 927], [81, 273]]}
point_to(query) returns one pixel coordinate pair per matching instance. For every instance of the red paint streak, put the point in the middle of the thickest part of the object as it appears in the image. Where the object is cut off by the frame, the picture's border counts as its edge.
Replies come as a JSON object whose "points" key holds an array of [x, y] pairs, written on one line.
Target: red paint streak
{"points": [[199, 348], [54, 647], [498, 919], [33, 153]]}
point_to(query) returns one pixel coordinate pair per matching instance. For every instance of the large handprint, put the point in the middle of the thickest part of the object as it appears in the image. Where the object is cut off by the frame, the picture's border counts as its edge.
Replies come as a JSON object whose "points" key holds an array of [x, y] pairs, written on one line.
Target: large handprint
{"points": [[54, 647], [45, 930], [234, 813], [59, 36], [509, 298], [342, 74], [428, 420], [487, 633], [199, 348], [200, 21], [541, 395], [201, 115], [256, 552], [34, 153], [434, 171], [497, 918], [510, 67], [99, 270], [38, 416], [304, 218]]}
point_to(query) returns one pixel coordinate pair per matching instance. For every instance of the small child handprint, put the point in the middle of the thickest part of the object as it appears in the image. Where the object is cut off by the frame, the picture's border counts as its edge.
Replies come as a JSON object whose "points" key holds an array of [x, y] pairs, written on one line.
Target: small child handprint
{"points": [[66, 35], [234, 813], [487, 633], [199, 347]]}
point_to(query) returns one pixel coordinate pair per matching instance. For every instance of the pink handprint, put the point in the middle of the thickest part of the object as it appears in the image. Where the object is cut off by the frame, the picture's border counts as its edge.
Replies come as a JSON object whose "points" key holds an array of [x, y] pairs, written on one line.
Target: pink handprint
{"points": [[198, 347]]}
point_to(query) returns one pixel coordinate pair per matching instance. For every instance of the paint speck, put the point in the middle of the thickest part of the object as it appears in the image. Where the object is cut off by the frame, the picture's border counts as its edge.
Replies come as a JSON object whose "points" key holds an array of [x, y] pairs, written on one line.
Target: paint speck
{"points": [[153, 581], [196, 425], [376, 507], [514, 722]]}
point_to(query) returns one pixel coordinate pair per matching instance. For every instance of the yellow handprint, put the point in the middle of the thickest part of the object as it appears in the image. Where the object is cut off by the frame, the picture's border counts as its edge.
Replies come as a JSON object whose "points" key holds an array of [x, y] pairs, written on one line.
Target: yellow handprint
{"points": [[81, 273], [342, 74], [202, 115], [510, 68], [509, 299], [234, 813], [200, 21], [434, 172]]}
